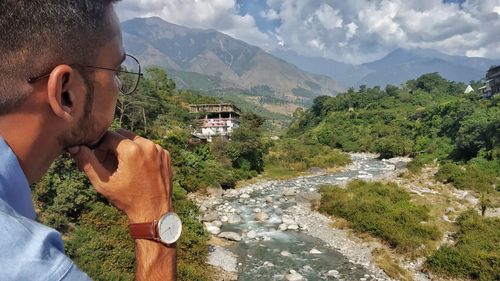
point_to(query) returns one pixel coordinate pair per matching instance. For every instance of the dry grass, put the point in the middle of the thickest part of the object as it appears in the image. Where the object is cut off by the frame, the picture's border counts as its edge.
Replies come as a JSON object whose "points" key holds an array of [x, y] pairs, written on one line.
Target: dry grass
{"points": [[340, 223], [384, 260]]}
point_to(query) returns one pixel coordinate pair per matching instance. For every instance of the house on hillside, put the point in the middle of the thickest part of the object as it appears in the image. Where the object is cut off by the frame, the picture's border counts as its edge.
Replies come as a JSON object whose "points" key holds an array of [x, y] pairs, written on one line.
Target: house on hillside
{"points": [[215, 120], [491, 86]]}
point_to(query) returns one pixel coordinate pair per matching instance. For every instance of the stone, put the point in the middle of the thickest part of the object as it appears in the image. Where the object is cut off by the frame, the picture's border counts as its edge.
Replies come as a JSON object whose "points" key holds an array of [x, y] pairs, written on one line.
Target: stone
{"points": [[294, 277], [333, 273], [285, 253], [232, 236], [223, 258], [224, 218], [251, 234], [234, 219], [261, 216], [307, 197], [289, 192], [287, 220], [214, 230], [283, 227], [257, 210], [217, 223], [244, 196], [315, 252], [269, 199], [210, 217], [269, 264], [293, 227], [215, 191]]}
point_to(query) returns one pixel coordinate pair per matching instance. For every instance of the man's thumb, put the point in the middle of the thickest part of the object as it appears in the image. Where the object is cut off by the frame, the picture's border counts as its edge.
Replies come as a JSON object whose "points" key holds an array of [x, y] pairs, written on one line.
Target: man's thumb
{"points": [[88, 162]]}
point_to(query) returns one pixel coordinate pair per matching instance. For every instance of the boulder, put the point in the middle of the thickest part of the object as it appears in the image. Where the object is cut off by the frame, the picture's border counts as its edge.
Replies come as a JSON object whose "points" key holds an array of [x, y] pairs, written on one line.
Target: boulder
{"points": [[293, 227], [289, 192], [293, 276], [234, 219], [314, 252], [251, 234], [269, 199], [215, 191], [224, 218], [333, 273], [285, 253], [244, 196], [232, 236], [214, 230], [261, 216], [283, 227], [217, 223], [287, 220], [210, 217]]}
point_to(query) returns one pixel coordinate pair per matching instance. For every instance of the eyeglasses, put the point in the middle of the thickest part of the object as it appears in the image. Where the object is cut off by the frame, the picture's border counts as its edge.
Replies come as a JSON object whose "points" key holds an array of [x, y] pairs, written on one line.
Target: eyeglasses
{"points": [[129, 73]]}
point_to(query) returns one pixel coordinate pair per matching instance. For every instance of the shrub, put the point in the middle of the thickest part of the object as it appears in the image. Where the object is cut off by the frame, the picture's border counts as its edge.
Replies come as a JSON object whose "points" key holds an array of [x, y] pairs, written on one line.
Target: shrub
{"points": [[383, 210], [476, 253]]}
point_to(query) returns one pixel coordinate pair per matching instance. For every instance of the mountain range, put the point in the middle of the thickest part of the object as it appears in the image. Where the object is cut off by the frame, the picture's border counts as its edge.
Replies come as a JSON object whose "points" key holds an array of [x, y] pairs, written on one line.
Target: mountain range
{"points": [[210, 61], [395, 68], [277, 82]]}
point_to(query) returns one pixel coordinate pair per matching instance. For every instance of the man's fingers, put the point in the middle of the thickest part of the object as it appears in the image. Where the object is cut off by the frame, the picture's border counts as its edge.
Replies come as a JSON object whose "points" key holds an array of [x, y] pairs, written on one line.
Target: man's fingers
{"points": [[135, 138], [88, 162], [111, 142]]}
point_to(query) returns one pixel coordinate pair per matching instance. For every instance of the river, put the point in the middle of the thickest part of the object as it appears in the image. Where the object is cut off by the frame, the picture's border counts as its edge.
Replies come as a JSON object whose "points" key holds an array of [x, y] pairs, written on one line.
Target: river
{"points": [[281, 239]]}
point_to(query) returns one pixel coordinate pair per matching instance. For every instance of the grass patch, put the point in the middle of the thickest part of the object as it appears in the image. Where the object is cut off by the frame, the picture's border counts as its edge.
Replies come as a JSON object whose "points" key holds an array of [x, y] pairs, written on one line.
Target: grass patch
{"points": [[384, 260], [383, 210], [292, 157], [476, 253]]}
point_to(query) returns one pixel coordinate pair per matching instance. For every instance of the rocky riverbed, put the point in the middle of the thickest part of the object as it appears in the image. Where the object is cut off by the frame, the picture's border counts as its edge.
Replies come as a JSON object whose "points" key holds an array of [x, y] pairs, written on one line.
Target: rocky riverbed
{"points": [[276, 236]]}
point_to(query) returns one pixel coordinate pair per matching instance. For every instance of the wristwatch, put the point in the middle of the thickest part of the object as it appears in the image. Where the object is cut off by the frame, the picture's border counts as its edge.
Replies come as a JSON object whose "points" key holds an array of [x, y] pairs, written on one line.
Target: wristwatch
{"points": [[165, 230]]}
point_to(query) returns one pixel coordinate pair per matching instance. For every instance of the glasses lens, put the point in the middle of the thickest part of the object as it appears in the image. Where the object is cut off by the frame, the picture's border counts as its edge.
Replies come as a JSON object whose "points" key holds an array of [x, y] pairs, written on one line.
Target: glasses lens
{"points": [[130, 78]]}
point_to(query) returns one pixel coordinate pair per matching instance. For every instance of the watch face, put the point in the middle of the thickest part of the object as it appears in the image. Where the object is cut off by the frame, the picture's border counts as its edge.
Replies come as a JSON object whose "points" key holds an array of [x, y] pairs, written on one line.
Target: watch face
{"points": [[169, 228]]}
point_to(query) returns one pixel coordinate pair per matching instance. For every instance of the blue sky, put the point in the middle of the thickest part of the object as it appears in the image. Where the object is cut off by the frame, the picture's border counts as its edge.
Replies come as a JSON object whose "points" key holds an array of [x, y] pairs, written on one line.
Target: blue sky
{"points": [[353, 31]]}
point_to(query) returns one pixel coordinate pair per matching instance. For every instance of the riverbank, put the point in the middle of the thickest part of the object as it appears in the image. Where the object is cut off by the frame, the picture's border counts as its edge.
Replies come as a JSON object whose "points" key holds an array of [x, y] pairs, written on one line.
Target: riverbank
{"points": [[300, 198], [217, 212]]}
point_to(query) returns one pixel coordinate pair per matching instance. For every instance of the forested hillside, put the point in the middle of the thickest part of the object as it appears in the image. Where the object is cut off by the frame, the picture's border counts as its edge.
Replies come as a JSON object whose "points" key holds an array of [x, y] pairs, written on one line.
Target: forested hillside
{"points": [[96, 233], [434, 122]]}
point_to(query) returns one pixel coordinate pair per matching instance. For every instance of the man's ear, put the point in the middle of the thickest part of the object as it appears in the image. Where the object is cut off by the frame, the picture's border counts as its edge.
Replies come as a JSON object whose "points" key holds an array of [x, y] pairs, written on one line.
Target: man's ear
{"points": [[62, 91]]}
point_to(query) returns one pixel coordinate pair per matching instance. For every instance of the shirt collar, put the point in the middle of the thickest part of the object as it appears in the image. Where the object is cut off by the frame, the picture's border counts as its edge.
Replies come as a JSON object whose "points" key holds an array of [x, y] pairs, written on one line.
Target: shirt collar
{"points": [[14, 187]]}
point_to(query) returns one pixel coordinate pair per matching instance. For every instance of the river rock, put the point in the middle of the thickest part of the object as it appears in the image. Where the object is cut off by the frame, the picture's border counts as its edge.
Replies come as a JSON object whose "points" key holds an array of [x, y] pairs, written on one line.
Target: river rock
{"points": [[333, 273], [261, 216], [251, 234], [289, 192], [308, 197], [285, 253], [217, 223], [234, 219], [314, 252], [269, 264], [294, 276], [233, 236], [210, 217], [214, 230], [283, 227], [287, 220], [224, 218], [257, 210], [215, 191], [223, 258], [293, 227], [244, 196], [269, 199]]}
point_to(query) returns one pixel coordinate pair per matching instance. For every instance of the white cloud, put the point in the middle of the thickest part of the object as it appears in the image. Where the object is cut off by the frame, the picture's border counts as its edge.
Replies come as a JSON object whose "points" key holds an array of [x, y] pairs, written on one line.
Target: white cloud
{"points": [[353, 31]]}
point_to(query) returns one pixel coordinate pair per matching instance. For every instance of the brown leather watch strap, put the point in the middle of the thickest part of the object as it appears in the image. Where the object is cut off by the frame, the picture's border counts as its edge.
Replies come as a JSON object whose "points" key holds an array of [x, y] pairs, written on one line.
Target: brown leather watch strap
{"points": [[145, 230]]}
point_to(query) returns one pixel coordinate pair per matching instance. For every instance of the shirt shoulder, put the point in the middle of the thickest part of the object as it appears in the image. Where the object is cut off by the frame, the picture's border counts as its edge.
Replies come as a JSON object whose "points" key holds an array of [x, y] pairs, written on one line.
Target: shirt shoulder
{"points": [[32, 251]]}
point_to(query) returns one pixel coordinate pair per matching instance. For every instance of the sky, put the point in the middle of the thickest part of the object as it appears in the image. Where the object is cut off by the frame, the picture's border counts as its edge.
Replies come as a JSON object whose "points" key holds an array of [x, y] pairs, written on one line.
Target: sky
{"points": [[350, 31]]}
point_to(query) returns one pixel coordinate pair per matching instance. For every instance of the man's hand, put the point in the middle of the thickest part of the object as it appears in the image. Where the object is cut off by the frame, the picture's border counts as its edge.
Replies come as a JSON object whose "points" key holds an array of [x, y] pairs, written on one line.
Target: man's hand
{"points": [[133, 173]]}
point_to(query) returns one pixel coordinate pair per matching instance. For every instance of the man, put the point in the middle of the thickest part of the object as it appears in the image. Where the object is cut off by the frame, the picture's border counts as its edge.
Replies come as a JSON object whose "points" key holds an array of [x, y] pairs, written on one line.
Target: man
{"points": [[58, 91]]}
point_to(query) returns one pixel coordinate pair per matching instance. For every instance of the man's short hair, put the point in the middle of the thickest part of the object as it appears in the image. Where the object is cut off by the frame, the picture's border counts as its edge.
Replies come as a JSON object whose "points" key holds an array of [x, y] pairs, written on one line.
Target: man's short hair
{"points": [[37, 35]]}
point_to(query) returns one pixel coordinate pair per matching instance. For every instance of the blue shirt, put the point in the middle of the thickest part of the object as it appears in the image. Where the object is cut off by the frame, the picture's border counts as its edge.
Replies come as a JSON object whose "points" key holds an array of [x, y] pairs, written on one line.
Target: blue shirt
{"points": [[28, 249]]}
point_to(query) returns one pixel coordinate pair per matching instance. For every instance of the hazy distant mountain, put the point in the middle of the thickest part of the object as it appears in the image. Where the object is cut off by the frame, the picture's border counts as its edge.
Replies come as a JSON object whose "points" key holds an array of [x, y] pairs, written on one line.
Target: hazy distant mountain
{"points": [[395, 68], [212, 61]]}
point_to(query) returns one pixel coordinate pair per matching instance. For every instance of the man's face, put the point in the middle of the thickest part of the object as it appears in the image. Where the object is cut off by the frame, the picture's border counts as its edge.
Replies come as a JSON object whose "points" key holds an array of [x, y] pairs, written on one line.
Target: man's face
{"points": [[102, 93]]}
